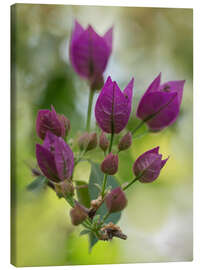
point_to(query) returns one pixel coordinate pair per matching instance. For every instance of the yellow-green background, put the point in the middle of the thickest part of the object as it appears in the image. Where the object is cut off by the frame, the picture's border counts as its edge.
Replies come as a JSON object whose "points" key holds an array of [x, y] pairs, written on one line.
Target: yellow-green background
{"points": [[158, 219]]}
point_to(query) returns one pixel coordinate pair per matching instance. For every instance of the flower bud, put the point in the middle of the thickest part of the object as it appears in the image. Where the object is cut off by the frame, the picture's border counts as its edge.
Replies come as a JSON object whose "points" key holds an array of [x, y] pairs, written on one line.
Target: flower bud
{"points": [[83, 141], [87, 141], [78, 214], [92, 141], [55, 158], [89, 53], [51, 121], [125, 142], [64, 188], [103, 142], [148, 166], [110, 164], [116, 200], [160, 105], [113, 106]]}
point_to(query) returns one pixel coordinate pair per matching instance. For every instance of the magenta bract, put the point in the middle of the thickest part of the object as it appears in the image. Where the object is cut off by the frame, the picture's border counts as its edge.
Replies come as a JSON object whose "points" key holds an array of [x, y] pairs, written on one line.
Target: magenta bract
{"points": [[89, 53], [149, 165], [160, 105], [55, 158], [113, 107], [116, 200], [55, 123]]}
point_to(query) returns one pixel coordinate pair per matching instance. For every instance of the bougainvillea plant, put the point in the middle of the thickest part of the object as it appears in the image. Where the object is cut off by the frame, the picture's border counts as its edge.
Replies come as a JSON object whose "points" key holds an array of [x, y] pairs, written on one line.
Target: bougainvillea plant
{"points": [[97, 204]]}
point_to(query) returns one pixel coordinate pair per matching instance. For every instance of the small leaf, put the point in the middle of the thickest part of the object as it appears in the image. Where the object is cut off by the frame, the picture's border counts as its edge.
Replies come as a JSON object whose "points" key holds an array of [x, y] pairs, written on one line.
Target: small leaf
{"points": [[82, 193], [96, 218], [92, 241], [83, 232], [38, 184], [96, 177]]}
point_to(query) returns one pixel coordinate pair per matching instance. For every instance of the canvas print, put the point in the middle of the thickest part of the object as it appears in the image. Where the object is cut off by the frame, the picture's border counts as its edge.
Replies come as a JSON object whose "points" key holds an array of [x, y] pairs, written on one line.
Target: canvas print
{"points": [[102, 153]]}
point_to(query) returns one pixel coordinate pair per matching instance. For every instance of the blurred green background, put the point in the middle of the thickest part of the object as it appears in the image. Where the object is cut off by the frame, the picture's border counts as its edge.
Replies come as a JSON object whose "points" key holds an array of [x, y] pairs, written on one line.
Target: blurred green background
{"points": [[158, 219]]}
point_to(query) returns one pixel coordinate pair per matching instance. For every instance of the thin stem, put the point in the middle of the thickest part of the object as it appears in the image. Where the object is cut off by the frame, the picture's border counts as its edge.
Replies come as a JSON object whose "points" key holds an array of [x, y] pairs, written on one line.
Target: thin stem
{"points": [[70, 200], [111, 142], [105, 176], [133, 181], [89, 111], [104, 185]]}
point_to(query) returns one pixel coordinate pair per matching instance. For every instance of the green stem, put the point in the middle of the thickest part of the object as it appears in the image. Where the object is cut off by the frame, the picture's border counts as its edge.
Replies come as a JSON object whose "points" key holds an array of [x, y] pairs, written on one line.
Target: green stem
{"points": [[105, 176], [89, 111], [133, 181], [104, 185], [111, 142]]}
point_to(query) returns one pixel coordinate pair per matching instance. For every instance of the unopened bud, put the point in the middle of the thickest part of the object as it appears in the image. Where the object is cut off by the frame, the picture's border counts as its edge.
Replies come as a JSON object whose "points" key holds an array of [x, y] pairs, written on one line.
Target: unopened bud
{"points": [[78, 214], [110, 164], [64, 188], [116, 200], [125, 142], [103, 142], [87, 141], [92, 141]]}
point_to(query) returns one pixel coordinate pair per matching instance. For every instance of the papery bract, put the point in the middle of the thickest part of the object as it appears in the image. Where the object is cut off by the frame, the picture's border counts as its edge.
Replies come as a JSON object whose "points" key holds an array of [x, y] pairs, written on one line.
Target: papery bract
{"points": [[89, 53], [51, 121], [116, 200], [113, 107], [160, 105], [55, 158], [148, 166]]}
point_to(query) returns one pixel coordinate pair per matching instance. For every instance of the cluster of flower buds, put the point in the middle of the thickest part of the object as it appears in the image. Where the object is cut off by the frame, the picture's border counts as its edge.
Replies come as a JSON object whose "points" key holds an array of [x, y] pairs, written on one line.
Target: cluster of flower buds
{"points": [[158, 108]]}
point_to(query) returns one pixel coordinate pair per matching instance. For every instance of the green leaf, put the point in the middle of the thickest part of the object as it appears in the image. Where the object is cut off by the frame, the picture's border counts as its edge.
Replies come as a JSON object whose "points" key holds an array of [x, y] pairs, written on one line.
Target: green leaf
{"points": [[92, 241], [96, 218], [38, 184], [96, 177], [85, 231], [82, 193]]}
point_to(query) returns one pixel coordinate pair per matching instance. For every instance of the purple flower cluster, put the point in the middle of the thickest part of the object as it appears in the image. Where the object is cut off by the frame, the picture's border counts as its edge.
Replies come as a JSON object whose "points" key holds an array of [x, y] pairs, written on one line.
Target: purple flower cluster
{"points": [[158, 108]]}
